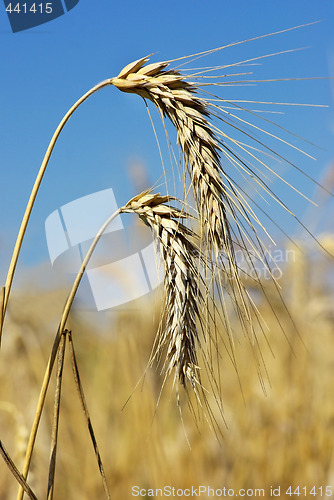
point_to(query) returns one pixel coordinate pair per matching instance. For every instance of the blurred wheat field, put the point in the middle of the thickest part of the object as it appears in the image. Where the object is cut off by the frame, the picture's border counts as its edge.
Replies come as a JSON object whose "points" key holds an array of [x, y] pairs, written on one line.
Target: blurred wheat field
{"points": [[281, 438]]}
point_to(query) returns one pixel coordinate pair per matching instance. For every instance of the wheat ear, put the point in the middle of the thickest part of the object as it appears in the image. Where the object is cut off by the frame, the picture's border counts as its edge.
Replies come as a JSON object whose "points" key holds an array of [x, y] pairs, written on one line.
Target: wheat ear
{"points": [[182, 295], [176, 98]]}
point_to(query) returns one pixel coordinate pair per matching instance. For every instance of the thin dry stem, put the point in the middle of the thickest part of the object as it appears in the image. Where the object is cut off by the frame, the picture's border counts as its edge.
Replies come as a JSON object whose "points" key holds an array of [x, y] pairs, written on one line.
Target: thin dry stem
{"points": [[16, 473], [56, 413], [31, 201], [49, 368], [78, 384]]}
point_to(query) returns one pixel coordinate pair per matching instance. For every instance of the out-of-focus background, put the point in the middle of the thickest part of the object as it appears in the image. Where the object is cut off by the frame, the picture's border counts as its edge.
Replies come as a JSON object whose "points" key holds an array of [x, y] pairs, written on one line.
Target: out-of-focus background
{"points": [[281, 438], [281, 435]]}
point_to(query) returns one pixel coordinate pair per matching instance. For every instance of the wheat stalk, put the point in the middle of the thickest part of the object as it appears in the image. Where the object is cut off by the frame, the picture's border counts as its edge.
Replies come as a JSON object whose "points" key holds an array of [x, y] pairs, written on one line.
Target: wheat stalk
{"points": [[218, 197], [6, 290], [182, 295], [225, 214]]}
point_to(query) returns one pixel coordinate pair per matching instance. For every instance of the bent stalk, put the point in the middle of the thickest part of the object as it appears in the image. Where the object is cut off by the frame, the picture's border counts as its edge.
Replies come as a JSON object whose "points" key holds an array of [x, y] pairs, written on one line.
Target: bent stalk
{"points": [[33, 195]]}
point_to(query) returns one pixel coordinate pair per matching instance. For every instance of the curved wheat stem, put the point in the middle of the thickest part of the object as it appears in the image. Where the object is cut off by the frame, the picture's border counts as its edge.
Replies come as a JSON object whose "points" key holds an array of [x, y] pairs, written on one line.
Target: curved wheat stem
{"points": [[11, 271], [55, 347], [182, 296]]}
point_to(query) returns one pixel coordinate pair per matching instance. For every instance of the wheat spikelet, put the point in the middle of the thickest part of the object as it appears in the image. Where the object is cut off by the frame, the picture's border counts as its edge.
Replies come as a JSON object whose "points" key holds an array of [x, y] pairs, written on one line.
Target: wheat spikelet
{"points": [[182, 296]]}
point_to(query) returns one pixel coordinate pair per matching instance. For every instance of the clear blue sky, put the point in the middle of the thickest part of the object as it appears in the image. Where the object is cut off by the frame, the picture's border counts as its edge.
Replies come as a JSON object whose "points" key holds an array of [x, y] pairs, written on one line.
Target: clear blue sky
{"points": [[46, 69]]}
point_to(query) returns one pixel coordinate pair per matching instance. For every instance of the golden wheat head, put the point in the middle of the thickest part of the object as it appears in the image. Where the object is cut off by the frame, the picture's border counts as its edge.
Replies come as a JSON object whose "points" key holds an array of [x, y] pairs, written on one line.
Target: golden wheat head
{"points": [[182, 295]]}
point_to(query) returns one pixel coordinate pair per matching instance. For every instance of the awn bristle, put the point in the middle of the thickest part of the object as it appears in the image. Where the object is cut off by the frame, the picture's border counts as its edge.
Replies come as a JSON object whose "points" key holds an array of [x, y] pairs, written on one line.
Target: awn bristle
{"points": [[182, 296]]}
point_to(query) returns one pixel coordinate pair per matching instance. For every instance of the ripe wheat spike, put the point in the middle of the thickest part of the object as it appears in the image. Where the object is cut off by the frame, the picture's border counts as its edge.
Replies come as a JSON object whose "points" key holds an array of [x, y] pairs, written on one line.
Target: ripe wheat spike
{"points": [[183, 299]]}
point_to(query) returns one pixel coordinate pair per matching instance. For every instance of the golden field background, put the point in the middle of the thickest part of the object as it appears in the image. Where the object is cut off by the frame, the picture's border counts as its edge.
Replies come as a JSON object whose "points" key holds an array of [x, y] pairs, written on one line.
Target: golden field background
{"points": [[281, 438]]}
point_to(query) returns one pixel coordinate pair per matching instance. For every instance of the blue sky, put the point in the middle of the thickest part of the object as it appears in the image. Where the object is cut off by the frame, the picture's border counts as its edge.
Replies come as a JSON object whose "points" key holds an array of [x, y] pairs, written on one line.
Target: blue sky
{"points": [[44, 70]]}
